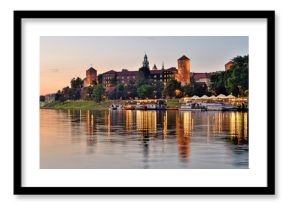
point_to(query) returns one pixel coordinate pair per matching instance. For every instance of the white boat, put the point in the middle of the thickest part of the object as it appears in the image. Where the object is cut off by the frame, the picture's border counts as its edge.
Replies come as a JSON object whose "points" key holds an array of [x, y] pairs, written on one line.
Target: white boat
{"points": [[214, 106], [190, 107], [230, 108], [219, 107], [154, 104], [151, 106], [186, 106], [140, 107]]}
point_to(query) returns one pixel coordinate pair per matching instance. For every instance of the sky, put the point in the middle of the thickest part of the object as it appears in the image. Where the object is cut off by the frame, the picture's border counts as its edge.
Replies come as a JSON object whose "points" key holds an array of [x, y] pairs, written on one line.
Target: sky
{"points": [[65, 57]]}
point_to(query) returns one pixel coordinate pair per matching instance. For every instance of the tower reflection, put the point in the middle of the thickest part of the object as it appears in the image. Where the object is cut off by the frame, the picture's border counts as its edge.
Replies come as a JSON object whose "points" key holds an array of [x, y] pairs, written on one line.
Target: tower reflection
{"points": [[183, 132]]}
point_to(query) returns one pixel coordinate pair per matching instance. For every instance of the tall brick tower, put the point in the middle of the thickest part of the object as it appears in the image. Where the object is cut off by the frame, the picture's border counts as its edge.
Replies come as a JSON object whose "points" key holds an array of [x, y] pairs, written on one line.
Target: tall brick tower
{"points": [[183, 73], [91, 76]]}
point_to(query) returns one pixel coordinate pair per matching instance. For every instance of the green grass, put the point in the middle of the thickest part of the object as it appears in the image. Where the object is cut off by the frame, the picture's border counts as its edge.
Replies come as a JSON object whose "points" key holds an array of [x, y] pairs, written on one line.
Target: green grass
{"points": [[173, 103], [92, 105], [78, 105]]}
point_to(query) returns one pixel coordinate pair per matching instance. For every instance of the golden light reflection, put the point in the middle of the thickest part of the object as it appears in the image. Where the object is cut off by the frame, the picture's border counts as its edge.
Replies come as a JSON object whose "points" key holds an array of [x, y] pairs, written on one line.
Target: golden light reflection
{"points": [[109, 123], [187, 123], [208, 129], [183, 134], [146, 121], [245, 125], [129, 119], [89, 123], [238, 127], [165, 127]]}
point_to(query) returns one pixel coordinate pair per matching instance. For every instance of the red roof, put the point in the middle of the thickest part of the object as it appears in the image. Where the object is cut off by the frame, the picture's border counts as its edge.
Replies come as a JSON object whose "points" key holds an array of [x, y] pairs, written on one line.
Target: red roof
{"points": [[172, 69], [183, 58], [228, 63], [127, 73], [198, 76], [91, 68], [156, 71], [110, 72]]}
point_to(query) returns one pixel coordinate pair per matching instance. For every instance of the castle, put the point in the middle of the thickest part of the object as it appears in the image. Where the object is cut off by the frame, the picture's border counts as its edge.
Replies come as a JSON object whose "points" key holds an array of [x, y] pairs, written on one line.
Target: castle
{"points": [[182, 74]]}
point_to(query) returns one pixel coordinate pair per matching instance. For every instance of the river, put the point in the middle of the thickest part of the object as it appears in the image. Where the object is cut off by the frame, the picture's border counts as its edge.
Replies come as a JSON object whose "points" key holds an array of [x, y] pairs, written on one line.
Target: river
{"points": [[74, 139]]}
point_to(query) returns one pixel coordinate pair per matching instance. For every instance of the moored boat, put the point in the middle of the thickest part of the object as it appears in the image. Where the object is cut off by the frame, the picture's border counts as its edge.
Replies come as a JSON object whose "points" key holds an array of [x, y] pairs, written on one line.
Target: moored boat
{"points": [[191, 107], [128, 107], [219, 107], [116, 107]]}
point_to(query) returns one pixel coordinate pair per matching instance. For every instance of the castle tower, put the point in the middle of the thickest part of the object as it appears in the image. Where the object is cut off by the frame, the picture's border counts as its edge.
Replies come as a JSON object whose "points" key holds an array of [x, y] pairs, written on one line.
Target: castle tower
{"points": [[229, 65], [154, 67], [145, 62], [183, 73], [91, 76]]}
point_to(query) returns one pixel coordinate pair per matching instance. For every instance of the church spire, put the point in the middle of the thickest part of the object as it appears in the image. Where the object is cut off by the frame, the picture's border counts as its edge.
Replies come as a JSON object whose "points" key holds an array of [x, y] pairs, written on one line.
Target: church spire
{"points": [[145, 62]]}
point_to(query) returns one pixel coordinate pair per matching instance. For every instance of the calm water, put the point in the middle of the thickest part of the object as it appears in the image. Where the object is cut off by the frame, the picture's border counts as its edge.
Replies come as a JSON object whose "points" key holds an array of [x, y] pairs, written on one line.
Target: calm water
{"points": [[143, 139]]}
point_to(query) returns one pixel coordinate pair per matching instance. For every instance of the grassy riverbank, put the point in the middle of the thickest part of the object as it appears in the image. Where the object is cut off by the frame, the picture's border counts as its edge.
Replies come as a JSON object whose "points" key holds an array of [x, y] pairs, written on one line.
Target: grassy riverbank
{"points": [[77, 105], [92, 105]]}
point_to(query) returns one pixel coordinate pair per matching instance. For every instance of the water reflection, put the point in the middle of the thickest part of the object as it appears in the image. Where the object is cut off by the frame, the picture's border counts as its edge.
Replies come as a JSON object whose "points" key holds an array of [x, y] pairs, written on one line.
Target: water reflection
{"points": [[144, 139]]}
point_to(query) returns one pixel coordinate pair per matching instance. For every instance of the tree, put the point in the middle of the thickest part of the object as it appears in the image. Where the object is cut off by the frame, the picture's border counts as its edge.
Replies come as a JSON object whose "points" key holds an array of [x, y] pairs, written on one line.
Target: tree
{"points": [[157, 89], [145, 91], [74, 93], [60, 96], [234, 80], [76, 83], [42, 98], [120, 91], [200, 89], [218, 84], [188, 90], [99, 92], [237, 78], [131, 89], [171, 87], [143, 75]]}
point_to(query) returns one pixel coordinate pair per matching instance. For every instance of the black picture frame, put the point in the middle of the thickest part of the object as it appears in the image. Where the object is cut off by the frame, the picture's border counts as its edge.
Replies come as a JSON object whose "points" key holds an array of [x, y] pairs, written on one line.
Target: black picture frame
{"points": [[268, 190]]}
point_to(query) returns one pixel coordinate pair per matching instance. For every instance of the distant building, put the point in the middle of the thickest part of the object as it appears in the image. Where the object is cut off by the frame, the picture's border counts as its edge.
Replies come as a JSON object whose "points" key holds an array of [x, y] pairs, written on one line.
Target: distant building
{"points": [[125, 76], [229, 65], [91, 77], [49, 98], [163, 75], [109, 78], [183, 75], [201, 78]]}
